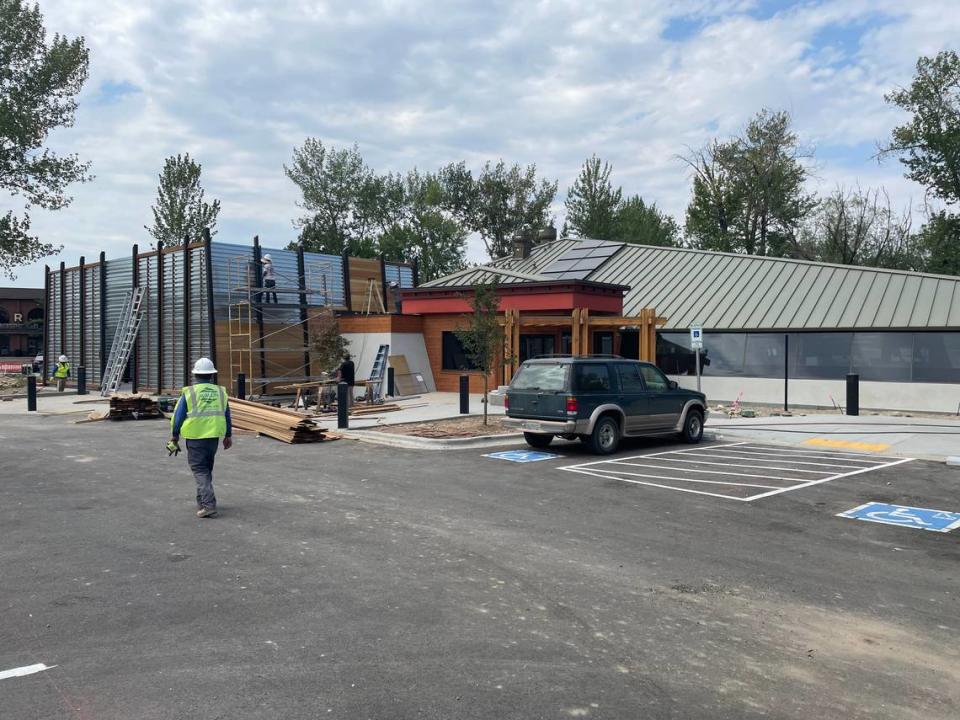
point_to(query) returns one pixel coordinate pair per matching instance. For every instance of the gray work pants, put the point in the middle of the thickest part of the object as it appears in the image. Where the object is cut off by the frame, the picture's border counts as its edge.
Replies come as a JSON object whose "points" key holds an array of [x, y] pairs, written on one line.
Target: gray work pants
{"points": [[200, 455]]}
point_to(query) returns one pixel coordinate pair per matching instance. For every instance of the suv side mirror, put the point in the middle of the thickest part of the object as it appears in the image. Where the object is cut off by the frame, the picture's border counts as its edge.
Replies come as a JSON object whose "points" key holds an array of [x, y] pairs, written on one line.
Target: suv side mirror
{"points": [[674, 385]]}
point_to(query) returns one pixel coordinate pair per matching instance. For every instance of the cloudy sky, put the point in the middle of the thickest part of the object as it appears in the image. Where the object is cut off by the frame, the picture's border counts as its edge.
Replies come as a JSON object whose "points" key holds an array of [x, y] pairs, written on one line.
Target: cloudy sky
{"points": [[239, 84]]}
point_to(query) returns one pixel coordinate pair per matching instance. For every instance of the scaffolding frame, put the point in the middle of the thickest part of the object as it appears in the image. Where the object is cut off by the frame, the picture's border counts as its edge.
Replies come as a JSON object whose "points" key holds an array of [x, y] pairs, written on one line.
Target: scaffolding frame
{"points": [[247, 313]]}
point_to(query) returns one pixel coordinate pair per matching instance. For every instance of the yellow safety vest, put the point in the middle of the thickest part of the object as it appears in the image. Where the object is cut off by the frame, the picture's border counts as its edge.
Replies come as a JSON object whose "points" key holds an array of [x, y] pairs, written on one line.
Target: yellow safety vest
{"points": [[206, 411], [62, 371]]}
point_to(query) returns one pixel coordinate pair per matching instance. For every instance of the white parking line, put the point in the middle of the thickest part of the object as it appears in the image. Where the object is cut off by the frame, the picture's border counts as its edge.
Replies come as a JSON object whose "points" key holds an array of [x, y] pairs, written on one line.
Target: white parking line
{"points": [[719, 460], [25, 670], [825, 453], [762, 453]]}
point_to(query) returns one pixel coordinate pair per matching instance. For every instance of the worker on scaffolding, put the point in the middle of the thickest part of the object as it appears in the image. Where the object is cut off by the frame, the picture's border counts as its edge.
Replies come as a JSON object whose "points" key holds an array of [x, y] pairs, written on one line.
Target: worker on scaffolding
{"points": [[202, 417], [269, 278]]}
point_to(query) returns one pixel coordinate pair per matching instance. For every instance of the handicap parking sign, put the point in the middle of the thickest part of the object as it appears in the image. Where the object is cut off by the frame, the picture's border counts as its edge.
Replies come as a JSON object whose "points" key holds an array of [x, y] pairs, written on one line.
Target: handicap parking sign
{"points": [[522, 456], [920, 518]]}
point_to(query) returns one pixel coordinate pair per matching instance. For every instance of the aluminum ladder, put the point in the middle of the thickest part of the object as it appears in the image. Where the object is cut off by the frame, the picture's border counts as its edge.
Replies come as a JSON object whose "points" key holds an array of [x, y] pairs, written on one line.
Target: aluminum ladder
{"points": [[123, 341], [375, 383]]}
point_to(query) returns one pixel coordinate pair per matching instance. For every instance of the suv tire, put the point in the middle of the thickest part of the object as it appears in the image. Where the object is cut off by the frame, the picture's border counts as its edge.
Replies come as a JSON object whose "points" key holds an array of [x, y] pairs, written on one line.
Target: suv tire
{"points": [[537, 440], [605, 437], [692, 426]]}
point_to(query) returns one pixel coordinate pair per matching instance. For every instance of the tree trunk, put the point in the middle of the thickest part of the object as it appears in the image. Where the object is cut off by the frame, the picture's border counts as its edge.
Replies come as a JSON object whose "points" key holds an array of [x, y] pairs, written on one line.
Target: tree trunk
{"points": [[486, 379]]}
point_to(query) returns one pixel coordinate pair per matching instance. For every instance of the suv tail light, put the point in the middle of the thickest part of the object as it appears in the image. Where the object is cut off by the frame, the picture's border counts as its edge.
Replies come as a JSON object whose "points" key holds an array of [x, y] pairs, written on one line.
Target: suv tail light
{"points": [[506, 402], [572, 406]]}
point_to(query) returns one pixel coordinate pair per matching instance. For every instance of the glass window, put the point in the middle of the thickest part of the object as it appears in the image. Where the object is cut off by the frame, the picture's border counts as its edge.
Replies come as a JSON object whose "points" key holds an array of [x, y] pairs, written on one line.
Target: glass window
{"points": [[566, 342], [603, 343], [764, 356], [823, 356], [550, 377], [674, 355], [936, 357], [630, 380], [882, 356], [533, 345], [656, 381], [454, 356], [723, 353], [592, 377]]}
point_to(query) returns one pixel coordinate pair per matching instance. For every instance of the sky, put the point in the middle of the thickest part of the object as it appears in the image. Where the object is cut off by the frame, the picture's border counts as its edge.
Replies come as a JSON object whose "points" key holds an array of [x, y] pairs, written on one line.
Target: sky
{"points": [[239, 85]]}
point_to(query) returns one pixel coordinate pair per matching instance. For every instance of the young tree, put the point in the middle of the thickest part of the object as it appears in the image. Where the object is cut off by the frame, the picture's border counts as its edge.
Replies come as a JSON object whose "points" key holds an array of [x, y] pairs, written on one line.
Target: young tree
{"points": [[39, 82], [499, 202], [592, 203], [484, 336], [637, 222], [180, 211], [329, 346]]}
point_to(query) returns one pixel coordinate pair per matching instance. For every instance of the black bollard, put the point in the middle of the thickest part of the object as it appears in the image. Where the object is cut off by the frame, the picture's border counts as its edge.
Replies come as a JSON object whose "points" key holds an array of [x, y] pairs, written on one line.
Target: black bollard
{"points": [[343, 405], [390, 383], [81, 381], [242, 386], [853, 394], [32, 393], [464, 394]]}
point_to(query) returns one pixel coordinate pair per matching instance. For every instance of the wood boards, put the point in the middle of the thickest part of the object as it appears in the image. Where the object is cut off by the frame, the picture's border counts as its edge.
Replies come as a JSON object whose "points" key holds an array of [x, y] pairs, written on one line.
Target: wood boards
{"points": [[280, 424]]}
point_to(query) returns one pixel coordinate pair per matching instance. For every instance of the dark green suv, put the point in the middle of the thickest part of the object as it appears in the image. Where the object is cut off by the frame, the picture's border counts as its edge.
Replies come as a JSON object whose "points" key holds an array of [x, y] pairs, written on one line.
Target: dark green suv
{"points": [[600, 400]]}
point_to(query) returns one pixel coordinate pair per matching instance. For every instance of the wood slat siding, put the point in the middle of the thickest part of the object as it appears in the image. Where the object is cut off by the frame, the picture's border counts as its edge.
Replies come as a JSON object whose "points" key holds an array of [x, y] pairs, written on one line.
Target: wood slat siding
{"points": [[448, 380], [362, 270], [381, 324]]}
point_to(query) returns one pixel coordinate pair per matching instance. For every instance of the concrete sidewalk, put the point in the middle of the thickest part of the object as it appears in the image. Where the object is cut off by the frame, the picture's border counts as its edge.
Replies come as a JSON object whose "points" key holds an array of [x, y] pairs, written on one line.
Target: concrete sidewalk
{"points": [[931, 438]]}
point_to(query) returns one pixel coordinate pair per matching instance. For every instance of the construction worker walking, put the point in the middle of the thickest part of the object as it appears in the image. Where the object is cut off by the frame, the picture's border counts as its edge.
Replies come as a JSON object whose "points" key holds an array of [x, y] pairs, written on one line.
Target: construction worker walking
{"points": [[62, 372], [202, 418]]}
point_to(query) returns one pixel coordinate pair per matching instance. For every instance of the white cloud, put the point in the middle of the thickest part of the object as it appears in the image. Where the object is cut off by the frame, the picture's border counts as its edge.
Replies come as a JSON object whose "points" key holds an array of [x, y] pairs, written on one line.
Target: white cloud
{"points": [[239, 84]]}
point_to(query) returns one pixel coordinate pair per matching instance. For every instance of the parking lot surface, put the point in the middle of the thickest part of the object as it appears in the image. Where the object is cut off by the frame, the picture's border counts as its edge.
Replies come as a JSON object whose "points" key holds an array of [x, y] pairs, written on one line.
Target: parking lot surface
{"points": [[353, 581]]}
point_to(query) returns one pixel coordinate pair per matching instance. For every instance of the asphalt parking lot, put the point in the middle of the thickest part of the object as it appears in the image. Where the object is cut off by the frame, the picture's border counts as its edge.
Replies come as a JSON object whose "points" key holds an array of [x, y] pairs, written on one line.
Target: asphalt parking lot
{"points": [[355, 581]]}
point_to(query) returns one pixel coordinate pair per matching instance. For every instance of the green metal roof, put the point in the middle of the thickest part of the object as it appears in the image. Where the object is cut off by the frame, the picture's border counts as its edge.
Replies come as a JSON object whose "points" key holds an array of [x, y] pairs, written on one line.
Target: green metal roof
{"points": [[726, 291]]}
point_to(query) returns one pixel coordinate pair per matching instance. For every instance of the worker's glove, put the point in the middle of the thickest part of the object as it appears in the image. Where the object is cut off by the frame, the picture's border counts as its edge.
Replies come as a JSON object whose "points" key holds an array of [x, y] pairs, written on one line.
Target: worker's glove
{"points": [[173, 447]]}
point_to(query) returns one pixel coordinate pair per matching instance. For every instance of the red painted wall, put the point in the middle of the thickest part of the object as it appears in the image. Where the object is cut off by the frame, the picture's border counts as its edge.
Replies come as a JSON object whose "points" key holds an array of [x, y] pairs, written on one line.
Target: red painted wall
{"points": [[566, 301]]}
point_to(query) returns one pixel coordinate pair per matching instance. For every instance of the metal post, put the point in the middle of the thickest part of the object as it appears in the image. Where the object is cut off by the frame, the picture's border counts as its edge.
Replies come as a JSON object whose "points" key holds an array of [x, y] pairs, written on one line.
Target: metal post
{"points": [[46, 323], [464, 394], [383, 285], [304, 321], [390, 382], [853, 394], [187, 299], [347, 298], [258, 279], [81, 381], [32, 392], [698, 369], [241, 386], [83, 312], [343, 405], [786, 372], [101, 366], [63, 309], [415, 266], [211, 319]]}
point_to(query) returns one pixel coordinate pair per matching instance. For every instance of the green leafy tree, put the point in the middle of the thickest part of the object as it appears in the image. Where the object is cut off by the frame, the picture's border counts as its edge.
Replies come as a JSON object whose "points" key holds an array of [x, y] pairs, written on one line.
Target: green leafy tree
{"points": [[637, 222], [499, 202], [749, 193], [484, 335], [180, 211], [939, 242], [592, 202], [329, 346], [39, 82]]}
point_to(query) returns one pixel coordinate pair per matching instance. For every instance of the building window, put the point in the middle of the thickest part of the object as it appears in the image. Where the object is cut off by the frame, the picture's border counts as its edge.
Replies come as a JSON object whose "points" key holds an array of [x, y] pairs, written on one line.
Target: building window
{"points": [[936, 357], [603, 343], [35, 314], [533, 345], [821, 356], [885, 356], [4, 317], [454, 356]]}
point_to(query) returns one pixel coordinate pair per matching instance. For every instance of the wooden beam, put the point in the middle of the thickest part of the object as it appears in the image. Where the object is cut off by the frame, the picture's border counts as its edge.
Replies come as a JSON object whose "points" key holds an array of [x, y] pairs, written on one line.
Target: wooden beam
{"points": [[575, 332], [585, 347], [515, 341]]}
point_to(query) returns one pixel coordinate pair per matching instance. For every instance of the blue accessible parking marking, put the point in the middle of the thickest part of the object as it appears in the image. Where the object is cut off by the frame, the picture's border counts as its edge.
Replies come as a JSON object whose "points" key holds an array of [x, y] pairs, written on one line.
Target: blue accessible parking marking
{"points": [[919, 518], [522, 456]]}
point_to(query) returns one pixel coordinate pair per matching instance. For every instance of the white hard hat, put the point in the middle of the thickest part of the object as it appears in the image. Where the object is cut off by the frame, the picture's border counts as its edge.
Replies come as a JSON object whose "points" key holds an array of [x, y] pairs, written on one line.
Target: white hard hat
{"points": [[62, 358], [267, 258], [204, 366]]}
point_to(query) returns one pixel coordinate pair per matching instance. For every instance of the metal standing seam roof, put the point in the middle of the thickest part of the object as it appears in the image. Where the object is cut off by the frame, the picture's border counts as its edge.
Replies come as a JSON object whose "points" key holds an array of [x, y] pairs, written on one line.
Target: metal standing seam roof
{"points": [[727, 291]]}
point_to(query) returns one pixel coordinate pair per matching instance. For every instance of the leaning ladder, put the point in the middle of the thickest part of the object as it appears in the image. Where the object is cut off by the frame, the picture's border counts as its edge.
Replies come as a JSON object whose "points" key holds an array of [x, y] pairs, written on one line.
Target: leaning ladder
{"points": [[375, 383], [123, 341]]}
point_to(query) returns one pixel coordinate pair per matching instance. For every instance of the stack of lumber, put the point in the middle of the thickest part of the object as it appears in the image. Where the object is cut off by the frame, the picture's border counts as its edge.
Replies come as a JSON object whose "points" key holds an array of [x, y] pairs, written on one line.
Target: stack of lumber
{"points": [[285, 425], [373, 409], [133, 407]]}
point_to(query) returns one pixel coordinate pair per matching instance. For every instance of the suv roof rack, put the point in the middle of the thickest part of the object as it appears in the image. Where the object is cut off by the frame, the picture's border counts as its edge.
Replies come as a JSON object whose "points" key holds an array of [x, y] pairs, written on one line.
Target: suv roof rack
{"points": [[552, 356]]}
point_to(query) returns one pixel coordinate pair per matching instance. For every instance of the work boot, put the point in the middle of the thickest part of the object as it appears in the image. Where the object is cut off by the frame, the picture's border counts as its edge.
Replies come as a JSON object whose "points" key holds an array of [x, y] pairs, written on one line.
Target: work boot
{"points": [[206, 512]]}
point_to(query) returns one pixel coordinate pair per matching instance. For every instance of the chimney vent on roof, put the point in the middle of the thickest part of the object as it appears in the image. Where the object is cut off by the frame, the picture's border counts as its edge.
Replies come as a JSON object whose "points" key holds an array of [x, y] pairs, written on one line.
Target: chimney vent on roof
{"points": [[547, 234], [522, 244]]}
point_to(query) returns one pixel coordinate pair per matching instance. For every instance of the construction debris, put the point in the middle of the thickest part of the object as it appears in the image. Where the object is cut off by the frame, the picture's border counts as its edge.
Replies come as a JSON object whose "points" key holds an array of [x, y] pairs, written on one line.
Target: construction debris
{"points": [[133, 407], [285, 425]]}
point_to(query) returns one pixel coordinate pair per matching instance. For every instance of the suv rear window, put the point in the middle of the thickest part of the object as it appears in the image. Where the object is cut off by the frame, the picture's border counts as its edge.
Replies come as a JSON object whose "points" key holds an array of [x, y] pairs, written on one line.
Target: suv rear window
{"points": [[549, 377], [592, 377]]}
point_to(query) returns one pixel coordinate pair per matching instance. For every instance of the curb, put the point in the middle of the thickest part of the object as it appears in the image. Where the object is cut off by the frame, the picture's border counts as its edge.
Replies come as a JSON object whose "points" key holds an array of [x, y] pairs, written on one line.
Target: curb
{"points": [[411, 442]]}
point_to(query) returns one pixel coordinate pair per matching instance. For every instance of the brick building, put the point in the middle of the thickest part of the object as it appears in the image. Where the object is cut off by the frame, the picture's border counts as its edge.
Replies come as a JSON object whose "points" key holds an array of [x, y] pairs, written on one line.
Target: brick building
{"points": [[21, 322]]}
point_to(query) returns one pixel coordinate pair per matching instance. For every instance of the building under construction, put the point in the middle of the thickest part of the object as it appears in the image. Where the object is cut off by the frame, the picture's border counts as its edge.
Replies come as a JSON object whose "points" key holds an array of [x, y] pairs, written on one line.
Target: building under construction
{"points": [[207, 298]]}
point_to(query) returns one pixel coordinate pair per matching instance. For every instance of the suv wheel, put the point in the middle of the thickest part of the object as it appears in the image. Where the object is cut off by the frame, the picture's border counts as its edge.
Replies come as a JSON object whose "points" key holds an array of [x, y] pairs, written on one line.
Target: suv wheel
{"points": [[537, 440], [692, 427], [606, 436]]}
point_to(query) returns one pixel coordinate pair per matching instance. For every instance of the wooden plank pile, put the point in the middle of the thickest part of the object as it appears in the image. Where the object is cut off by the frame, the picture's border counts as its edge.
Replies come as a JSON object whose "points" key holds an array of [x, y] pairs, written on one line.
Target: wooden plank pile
{"points": [[285, 425], [133, 407]]}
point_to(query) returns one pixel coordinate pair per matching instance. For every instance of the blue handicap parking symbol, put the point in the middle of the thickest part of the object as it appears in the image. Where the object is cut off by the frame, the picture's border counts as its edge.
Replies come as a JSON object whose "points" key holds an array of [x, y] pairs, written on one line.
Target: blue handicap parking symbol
{"points": [[920, 518], [522, 456]]}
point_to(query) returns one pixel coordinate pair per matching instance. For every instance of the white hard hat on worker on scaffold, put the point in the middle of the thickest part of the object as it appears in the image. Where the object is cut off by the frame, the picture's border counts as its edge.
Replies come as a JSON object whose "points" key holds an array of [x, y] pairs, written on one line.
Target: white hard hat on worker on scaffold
{"points": [[62, 358], [267, 258], [204, 366]]}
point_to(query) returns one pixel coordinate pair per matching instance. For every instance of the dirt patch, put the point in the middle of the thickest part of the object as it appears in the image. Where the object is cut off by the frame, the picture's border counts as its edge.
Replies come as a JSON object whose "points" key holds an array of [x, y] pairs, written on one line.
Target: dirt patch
{"points": [[460, 427], [12, 384]]}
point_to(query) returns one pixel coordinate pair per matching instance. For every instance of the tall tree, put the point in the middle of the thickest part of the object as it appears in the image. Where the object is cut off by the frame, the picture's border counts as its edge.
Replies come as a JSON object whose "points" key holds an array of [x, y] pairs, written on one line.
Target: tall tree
{"points": [[482, 338], [39, 82], [748, 193], [637, 222], [939, 242], [592, 202], [499, 202], [180, 210]]}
